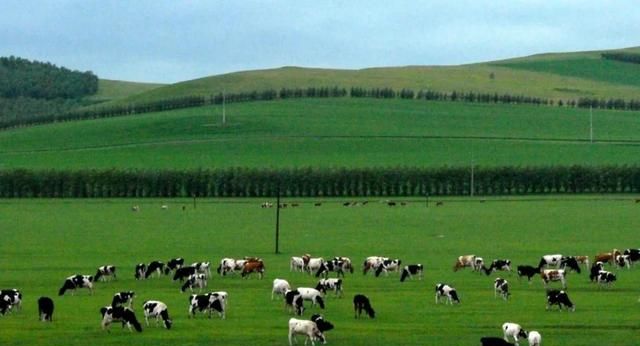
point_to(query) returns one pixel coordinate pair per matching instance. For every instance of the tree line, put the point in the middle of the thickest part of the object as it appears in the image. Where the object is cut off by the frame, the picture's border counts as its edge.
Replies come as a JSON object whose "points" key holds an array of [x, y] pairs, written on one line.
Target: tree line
{"points": [[622, 56], [319, 182]]}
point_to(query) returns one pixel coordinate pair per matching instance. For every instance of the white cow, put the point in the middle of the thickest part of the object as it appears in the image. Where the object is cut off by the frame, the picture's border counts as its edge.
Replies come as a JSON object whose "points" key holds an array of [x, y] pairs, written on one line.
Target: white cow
{"points": [[513, 330], [304, 327], [296, 264], [534, 338], [280, 287], [312, 295]]}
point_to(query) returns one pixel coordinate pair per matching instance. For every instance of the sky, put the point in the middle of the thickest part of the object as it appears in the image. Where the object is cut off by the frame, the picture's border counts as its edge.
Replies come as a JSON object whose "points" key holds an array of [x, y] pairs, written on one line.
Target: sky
{"points": [[168, 41]]}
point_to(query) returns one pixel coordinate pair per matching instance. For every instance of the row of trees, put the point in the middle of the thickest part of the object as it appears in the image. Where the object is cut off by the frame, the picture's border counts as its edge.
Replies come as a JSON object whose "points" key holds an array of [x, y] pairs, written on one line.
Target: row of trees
{"points": [[624, 57], [618, 104], [310, 182]]}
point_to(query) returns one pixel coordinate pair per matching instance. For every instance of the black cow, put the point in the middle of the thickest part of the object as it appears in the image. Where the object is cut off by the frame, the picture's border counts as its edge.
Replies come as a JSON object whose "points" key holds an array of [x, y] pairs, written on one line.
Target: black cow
{"points": [[411, 270], [494, 341], [321, 323], [528, 271], [154, 267], [122, 298], [361, 302], [45, 309], [560, 298], [571, 262], [183, 273]]}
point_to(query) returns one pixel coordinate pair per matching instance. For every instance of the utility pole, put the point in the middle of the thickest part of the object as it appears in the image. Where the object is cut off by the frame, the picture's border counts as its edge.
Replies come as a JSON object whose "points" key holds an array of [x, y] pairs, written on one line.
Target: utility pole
{"points": [[471, 188], [278, 222], [591, 123], [224, 114]]}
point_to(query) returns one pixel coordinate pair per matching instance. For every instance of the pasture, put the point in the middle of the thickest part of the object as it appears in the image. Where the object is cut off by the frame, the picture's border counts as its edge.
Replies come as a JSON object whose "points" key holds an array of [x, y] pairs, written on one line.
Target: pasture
{"points": [[47, 240]]}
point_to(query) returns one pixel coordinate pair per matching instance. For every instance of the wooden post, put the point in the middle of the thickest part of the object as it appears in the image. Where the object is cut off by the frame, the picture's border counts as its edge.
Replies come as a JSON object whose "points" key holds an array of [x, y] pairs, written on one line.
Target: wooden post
{"points": [[278, 222]]}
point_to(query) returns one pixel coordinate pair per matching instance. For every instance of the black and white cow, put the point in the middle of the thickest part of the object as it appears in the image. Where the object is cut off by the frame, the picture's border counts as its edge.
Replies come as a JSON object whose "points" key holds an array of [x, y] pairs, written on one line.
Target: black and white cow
{"points": [[104, 272], [513, 330], [560, 298], [335, 265], [206, 303], [388, 265], [332, 284], [293, 301], [360, 303], [123, 298], [312, 295], [203, 268], [119, 314], [596, 268], [634, 255], [570, 262], [605, 278], [140, 270], [306, 328], [195, 280], [155, 267], [322, 324], [623, 261], [528, 271], [550, 261], [501, 287], [173, 265], [157, 309], [184, 273], [347, 265], [411, 270], [450, 293], [45, 309], [372, 262], [498, 264], [77, 281], [230, 266], [10, 298], [280, 287]]}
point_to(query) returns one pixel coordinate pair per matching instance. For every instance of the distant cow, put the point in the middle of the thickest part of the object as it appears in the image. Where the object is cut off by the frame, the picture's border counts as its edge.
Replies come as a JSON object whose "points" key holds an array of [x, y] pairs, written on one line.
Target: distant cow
{"points": [[360, 303], [388, 265], [412, 270], [498, 264], [560, 298], [206, 303], [606, 257], [528, 271], [306, 328], [123, 298], [332, 284], [183, 273], [45, 309], [195, 280], [513, 330], [74, 282], [173, 265], [464, 261], [501, 287], [104, 272], [605, 278], [450, 293], [549, 275], [157, 309], [119, 314], [253, 266]]}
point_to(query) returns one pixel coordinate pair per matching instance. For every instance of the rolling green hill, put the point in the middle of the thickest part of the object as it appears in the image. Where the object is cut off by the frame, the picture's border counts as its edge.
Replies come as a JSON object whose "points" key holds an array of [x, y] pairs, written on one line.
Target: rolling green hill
{"points": [[109, 90]]}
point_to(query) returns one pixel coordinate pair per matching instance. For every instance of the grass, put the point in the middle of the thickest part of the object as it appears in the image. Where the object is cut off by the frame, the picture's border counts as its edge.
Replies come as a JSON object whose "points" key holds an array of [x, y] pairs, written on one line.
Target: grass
{"points": [[51, 239], [109, 90], [331, 133]]}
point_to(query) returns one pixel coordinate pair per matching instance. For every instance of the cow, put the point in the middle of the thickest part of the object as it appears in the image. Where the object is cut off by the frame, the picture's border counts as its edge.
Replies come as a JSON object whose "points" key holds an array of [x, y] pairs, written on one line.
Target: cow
{"points": [[361, 302], [570, 262], [230, 265], [293, 300], [372, 262], [173, 265], [528, 271], [312, 264], [183, 273], [623, 261], [253, 266], [606, 257], [140, 270], [549, 275], [501, 287], [513, 330], [119, 314], [195, 280], [347, 265], [582, 260], [464, 261], [550, 261], [312, 295], [203, 268], [296, 264], [534, 338], [388, 265], [444, 290], [77, 281], [266, 205], [322, 324], [338, 265], [605, 278], [306, 328], [155, 267], [11, 298], [494, 341], [135, 208], [335, 285], [280, 287], [104, 272], [206, 303], [634, 254], [45, 309], [478, 264], [410, 270], [595, 269], [560, 298], [157, 309], [498, 264], [122, 298]]}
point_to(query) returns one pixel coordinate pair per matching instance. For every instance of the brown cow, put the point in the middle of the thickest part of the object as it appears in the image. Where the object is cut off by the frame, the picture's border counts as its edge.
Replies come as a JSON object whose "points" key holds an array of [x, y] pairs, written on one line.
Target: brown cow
{"points": [[464, 261], [253, 265], [608, 257]]}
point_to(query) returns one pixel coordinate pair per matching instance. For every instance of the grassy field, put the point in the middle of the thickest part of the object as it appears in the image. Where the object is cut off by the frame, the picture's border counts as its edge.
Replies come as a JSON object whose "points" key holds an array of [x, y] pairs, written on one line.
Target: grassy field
{"points": [[331, 133], [48, 240]]}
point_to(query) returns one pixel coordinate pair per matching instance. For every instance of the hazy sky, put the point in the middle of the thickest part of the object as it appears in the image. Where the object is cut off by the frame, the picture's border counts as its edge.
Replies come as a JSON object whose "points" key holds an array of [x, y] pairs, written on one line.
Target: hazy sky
{"points": [[176, 40]]}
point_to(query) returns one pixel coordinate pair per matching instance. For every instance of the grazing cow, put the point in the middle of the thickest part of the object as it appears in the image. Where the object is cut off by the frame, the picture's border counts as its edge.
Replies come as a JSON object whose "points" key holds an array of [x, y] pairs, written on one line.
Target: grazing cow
{"points": [[140, 270], [253, 266], [45, 309], [173, 264], [560, 298], [296, 264], [104, 272], [606, 278], [207, 303], [623, 261], [494, 341], [361, 302], [195, 280], [280, 287], [157, 309], [306, 328], [478, 264], [122, 298], [554, 275], [322, 324], [498, 264], [550, 261], [347, 265], [513, 330], [335, 285], [312, 264], [11, 298], [388, 265], [266, 205], [582, 260], [570, 262], [4, 305], [155, 267], [203, 268], [339, 265], [444, 290], [607, 257], [293, 300], [77, 281], [634, 254], [372, 262], [501, 287], [411, 270], [230, 265], [312, 295], [183, 273], [528, 271], [534, 338], [464, 261], [119, 314], [595, 269]]}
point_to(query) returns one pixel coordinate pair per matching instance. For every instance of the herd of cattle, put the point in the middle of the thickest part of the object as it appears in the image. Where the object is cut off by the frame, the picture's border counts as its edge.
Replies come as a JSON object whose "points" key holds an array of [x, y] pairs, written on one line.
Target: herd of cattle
{"points": [[550, 268]]}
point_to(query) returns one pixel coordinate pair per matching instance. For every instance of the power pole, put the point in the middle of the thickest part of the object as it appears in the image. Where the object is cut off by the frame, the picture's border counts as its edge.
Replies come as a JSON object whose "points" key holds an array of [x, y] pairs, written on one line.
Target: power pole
{"points": [[224, 114], [591, 123], [278, 222]]}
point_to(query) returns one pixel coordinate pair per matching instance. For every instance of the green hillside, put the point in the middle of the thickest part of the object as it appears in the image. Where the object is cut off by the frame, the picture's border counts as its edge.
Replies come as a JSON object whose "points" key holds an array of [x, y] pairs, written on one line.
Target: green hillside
{"points": [[109, 90]]}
